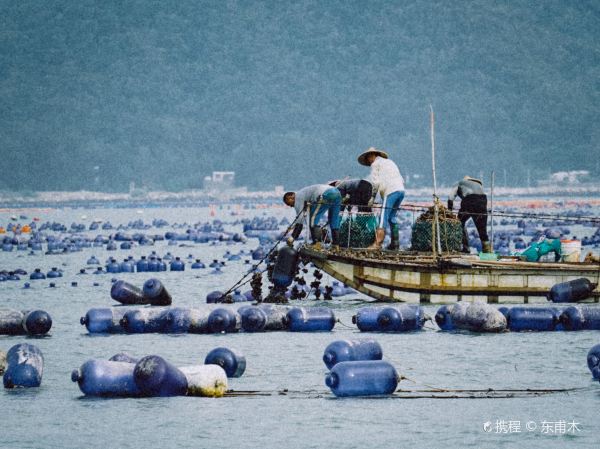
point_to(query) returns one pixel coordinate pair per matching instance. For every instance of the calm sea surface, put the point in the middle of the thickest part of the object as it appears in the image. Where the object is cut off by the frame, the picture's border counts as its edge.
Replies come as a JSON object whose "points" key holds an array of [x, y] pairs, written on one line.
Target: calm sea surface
{"points": [[307, 415]]}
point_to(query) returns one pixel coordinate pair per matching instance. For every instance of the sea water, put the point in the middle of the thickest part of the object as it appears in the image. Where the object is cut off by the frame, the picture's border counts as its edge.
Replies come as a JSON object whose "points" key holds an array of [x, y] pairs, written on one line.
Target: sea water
{"points": [[293, 407]]}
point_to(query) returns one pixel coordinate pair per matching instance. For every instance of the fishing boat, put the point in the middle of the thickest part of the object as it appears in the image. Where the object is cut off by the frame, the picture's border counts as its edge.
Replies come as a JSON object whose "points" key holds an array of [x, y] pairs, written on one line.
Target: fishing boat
{"points": [[427, 278], [439, 277]]}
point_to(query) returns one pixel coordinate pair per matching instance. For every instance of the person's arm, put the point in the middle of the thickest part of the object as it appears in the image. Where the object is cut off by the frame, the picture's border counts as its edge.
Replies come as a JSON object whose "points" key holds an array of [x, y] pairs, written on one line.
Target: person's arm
{"points": [[451, 196]]}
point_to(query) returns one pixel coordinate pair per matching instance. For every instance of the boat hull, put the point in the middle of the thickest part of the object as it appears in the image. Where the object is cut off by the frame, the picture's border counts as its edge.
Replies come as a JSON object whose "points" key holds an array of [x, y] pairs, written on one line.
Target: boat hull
{"points": [[419, 278]]}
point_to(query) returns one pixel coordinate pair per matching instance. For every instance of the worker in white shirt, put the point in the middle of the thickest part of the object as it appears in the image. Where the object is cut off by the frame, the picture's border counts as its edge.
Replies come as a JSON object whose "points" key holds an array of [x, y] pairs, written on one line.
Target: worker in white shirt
{"points": [[386, 175]]}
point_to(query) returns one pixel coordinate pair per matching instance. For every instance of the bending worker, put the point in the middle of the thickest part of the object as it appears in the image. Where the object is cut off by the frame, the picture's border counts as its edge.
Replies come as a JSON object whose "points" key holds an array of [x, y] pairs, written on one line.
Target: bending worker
{"points": [[385, 175], [473, 205], [356, 192], [322, 198]]}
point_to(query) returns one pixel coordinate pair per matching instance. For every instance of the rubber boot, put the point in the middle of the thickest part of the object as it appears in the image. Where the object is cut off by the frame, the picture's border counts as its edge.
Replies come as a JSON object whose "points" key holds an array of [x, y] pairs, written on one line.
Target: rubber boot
{"points": [[335, 239], [486, 247], [379, 236], [316, 235], [395, 235]]}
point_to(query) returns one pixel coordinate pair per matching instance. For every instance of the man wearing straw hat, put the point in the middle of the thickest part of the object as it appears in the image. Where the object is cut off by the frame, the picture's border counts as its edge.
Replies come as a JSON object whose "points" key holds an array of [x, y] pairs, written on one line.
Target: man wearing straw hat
{"points": [[473, 205], [386, 175]]}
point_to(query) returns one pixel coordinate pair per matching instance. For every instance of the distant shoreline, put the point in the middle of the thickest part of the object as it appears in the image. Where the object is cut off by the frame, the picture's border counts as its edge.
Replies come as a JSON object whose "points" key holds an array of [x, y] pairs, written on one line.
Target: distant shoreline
{"points": [[202, 198]]}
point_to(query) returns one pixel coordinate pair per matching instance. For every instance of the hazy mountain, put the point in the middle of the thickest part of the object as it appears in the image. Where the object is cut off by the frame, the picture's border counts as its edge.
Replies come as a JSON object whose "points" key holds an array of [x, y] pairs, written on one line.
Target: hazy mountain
{"points": [[95, 94]]}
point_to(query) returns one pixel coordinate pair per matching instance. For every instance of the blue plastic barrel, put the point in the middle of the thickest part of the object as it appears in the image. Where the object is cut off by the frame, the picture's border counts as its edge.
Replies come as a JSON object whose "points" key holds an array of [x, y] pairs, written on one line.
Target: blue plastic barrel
{"points": [[113, 267], [238, 297], [156, 293], [198, 265], [285, 267], [532, 319], [98, 377], [126, 293], [37, 274], [53, 273], [177, 265], [124, 357], [362, 378], [154, 376], [103, 320], [224, 320], [230, 360], [147, 320], [214, 297], [351, 350], [142, 265], [24, 366], [183, 320], [366, 319], [127, 266], [576, 318], [37, 322], [11, 322], [310, 319], [444, 319], [477, 317], [253, 318], [153, 265], [571, 291], [402, 318], [593, 361]]}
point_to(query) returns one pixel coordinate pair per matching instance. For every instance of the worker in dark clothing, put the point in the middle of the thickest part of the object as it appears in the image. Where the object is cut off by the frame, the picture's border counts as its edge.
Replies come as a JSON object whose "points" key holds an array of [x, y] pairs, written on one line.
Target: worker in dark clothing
{"points": [[356, 192], [473, 205]]}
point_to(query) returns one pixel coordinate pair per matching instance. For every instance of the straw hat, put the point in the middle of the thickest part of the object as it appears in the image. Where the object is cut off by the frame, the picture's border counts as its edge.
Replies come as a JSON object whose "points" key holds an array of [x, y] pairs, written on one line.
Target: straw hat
{"points": [[468, 178], [362, 159]]}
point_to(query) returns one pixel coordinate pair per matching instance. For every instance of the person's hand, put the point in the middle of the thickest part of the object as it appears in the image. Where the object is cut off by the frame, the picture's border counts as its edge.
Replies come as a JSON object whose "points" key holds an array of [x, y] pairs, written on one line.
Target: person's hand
{"points": [[290, 241]]}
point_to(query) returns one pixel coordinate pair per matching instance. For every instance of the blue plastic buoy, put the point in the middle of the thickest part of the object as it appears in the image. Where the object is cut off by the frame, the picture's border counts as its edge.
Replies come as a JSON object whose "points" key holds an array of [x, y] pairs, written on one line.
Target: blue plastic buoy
{"points": [[106, 378], [154, 376], [443, 318], [366, 319], [124, 357], [37, 322], [214, 297], [224, 320], [571, 291], [139, 321], [183, 320], [477, 317], [532, 319], [24, 366], [593, 361], [37, 274], [362, 378], [177, 265], [310, 319], [231, 361], [142, 265], [156, 293], [351, 350], [402, 318], [284, 270], [103, 320], [577, 318], [126, 293]]}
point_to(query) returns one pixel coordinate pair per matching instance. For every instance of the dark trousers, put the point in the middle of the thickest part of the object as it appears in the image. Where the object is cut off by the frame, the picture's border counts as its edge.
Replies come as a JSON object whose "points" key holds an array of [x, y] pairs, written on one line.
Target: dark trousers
{"points": [[475, 207], [361, 196]]}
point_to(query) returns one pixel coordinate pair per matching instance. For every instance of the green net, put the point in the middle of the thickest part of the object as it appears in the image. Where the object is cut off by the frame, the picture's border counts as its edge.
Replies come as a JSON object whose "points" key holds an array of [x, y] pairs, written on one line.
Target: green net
{"points": [[450, 236], [358, 231]]}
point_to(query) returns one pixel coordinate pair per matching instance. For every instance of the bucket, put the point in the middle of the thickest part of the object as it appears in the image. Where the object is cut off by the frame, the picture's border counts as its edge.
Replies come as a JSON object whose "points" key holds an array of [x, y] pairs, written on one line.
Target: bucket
{"points": [[570, 250]]}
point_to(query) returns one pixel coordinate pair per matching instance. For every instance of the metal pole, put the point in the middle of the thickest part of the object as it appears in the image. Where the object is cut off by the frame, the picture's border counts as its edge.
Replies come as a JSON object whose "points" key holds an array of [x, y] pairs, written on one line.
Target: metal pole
{"points": [[435, 199], [492, 212]]}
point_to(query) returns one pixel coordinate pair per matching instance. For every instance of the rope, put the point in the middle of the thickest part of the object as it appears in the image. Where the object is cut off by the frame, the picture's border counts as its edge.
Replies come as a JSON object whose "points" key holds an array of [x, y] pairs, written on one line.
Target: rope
{"points": [[241, 282]]}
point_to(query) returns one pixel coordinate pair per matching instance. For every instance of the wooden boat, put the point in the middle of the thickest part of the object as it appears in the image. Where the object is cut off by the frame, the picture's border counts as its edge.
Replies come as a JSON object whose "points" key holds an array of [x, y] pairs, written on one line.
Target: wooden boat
{"points": [[424, 278]]}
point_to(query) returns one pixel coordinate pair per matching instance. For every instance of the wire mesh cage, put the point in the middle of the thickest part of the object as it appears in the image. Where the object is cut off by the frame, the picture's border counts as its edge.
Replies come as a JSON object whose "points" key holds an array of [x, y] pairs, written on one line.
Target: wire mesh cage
{"points": [[358, 229]]}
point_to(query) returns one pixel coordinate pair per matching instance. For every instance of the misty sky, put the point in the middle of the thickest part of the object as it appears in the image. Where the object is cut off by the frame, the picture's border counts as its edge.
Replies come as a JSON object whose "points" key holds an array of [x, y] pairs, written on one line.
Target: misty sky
{"points": [[96, 94]]}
